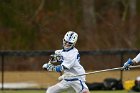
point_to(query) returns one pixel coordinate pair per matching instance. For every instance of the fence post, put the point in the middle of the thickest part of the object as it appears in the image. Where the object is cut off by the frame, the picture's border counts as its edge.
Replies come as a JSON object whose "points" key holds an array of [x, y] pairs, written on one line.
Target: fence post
{"points": [[2, 71], [121, 72]]}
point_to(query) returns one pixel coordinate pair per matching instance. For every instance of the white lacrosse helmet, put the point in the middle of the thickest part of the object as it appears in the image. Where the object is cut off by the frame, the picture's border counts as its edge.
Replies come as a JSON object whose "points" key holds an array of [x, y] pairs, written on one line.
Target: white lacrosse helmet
{"points": [[70, 40]]}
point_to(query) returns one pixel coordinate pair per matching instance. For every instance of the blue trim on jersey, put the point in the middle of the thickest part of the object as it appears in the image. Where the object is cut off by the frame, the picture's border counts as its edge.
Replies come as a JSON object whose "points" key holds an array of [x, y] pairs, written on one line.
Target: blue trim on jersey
{"points": [[58, 68], [78, 57], [75, 79], [81, 85]]}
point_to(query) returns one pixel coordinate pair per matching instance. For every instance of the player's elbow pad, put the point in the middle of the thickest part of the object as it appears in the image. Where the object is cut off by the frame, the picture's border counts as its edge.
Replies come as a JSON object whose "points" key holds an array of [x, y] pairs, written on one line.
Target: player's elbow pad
{"points": [[59, 68]]}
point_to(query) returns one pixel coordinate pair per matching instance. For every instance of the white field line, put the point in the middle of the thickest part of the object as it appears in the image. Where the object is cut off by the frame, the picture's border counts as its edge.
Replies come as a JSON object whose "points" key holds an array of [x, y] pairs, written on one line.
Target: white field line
{"points": [[19, 85]]}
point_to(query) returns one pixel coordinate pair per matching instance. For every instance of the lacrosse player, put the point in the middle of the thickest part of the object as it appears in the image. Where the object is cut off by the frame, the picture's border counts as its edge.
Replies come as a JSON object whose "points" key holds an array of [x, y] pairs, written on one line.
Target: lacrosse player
{"points": [[69, 60], [131, 62]]}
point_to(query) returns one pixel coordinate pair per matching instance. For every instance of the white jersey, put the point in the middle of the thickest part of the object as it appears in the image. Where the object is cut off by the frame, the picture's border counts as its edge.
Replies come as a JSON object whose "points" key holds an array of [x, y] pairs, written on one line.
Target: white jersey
{"points": [[71, 62], [137, 58]]}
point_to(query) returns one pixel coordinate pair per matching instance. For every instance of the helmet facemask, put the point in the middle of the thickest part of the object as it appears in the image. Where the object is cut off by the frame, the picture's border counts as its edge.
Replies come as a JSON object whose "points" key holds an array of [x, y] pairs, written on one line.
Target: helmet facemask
{"points": [[67, 45]]}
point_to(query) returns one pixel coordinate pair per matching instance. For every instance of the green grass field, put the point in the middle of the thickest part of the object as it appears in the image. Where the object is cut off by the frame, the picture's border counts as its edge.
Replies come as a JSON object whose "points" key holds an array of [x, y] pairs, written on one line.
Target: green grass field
{"points": [[43, 91]]}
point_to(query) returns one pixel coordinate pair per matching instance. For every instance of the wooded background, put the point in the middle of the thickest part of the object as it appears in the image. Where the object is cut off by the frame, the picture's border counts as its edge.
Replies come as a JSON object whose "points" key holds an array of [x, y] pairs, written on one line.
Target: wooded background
{"points": [[41, 24]]}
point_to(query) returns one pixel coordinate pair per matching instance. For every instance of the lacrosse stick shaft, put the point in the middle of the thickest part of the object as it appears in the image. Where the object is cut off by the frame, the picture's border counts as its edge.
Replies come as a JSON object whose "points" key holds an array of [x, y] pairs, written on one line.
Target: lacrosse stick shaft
{"points": [[105, 70]]}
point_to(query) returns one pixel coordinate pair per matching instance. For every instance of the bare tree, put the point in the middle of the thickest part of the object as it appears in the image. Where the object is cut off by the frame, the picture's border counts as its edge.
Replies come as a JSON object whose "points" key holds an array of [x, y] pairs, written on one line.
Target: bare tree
{"points": [[126, 5], [132, 5], [89, 20], [40, 7], [89, 14]]}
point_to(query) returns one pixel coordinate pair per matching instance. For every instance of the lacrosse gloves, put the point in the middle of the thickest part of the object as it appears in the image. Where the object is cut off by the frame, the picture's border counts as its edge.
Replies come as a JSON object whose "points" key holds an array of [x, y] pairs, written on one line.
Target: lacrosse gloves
{"points": [[127, 64], [51, 67]]}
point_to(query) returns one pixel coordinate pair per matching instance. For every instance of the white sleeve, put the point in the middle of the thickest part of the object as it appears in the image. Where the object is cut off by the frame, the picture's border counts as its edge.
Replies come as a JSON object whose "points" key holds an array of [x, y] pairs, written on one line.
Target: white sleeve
{"points": [[137, 58], [69, 61]]}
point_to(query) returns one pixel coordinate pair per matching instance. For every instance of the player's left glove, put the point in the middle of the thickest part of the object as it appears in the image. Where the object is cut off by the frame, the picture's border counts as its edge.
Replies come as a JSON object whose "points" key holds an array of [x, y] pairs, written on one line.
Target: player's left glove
{"points": [[127, 64]]}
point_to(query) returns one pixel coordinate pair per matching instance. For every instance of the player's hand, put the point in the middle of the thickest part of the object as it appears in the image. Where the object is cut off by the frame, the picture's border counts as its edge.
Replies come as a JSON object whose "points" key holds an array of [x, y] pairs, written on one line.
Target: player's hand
{"points": [[48, 66], [127, 64]]}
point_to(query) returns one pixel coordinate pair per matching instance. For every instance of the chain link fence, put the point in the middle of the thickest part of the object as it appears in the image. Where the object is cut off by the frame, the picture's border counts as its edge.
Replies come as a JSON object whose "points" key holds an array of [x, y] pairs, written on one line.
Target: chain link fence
{"points": [[23, 69]]}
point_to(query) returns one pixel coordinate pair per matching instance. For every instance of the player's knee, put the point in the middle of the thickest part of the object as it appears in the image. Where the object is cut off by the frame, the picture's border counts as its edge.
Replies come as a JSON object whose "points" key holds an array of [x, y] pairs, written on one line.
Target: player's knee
{"points": [[49, 90]]}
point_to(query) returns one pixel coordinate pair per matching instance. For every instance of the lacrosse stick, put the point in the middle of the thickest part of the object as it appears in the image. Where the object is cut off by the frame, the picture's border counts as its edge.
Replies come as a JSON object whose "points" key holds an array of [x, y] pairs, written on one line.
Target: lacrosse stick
{"points": [[105, 70], [52, 59]]}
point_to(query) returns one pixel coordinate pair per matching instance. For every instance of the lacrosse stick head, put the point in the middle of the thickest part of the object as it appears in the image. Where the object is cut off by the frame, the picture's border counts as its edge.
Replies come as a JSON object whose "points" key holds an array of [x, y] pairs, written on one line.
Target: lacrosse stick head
{"points": [[56, 58]]}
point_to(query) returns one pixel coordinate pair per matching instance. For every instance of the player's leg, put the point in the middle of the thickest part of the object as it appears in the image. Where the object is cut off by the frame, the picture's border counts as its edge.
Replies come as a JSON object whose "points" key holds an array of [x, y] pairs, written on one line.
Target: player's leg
{"points": [[59, 87], [70, 90], [54, 89], [80, 87]]}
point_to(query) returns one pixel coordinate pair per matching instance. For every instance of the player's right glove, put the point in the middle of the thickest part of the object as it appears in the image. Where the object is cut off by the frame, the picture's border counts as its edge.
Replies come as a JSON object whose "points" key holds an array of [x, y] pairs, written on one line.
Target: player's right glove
{"points": [[48, 66], [127, 64]]}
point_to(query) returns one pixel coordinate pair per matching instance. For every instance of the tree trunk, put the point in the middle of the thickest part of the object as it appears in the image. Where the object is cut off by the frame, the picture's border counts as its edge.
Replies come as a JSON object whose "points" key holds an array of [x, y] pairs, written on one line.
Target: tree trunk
{"points": [[89, 14], [132, 5], [89, 21]]}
